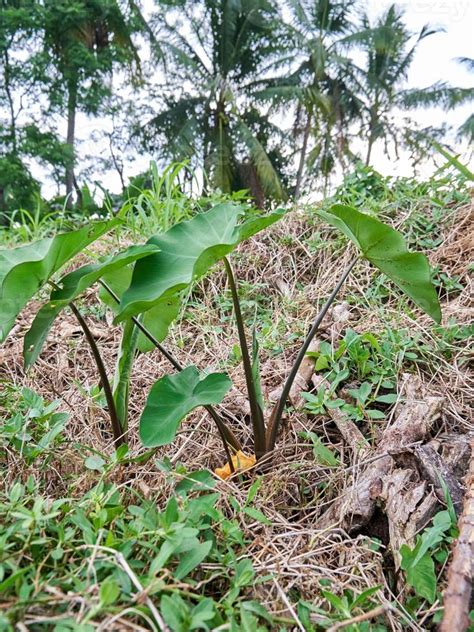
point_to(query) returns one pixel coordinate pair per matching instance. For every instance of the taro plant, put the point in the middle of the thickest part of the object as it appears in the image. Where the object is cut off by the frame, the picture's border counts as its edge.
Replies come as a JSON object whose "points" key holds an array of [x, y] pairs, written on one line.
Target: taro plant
{"points": [[145, 284]]}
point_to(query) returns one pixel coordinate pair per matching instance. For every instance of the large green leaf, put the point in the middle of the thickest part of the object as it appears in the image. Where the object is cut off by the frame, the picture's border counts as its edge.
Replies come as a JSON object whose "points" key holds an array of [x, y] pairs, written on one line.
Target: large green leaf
{"points": [[71, 286], [25, 269], [386, 249], [157, 320], [187, 251], [174, 396]]}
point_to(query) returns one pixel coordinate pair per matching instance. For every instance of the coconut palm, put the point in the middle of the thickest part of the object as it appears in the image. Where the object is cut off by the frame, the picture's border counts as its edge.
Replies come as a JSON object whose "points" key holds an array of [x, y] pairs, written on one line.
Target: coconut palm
{"points": [[214, 54], [445, 96], [315, 83], [388, 54]]}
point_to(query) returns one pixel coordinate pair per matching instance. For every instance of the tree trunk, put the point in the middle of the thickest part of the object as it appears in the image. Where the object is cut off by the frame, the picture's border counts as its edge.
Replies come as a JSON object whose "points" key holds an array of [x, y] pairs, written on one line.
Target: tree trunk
{"points": [[299, 176], [369, 151], [70, 138], [374, 121], [6, 76]]}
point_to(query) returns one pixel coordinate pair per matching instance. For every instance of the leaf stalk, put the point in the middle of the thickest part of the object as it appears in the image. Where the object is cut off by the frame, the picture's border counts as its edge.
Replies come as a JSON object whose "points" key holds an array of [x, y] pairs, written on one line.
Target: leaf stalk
{"points": [[258, 422], [277, 413], [226, 434], [118, 432]]}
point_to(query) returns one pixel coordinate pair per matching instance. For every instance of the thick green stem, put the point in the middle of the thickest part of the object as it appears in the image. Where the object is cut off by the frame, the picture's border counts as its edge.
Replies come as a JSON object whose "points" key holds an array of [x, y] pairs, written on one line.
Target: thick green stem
{"points": [[226, 434], [119, 436], [275, 419], [258, 422], [121, 386]]}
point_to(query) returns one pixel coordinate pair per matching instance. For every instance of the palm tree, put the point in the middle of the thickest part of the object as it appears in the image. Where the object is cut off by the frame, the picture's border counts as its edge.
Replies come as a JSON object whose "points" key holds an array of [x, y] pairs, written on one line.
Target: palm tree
{"points": [[447, 97], [83, 40], [317, 86], [379, 82], [213, 59]]}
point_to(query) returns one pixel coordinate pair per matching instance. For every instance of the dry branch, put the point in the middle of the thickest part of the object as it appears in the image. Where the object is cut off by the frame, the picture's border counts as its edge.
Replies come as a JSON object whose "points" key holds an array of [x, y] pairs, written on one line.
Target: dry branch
{"points": [[434, 467], [347, 428], [414, 420], [338, 318], [408, 508], [458, 594]]}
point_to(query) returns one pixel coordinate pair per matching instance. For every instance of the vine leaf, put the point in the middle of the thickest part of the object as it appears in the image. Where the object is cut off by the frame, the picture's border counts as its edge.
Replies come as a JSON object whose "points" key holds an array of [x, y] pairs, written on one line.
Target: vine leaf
{"points": [[386, 249], [172, 397]]}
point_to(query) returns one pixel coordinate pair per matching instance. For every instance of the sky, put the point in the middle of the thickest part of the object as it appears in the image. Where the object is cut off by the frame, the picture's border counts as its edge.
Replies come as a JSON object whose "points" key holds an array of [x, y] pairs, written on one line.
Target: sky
{"points": [[434, 61]]}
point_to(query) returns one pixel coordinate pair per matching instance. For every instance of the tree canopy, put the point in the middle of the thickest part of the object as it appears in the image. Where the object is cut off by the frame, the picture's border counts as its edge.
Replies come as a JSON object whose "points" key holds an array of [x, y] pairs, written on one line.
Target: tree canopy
{"points": [[257, 95]]}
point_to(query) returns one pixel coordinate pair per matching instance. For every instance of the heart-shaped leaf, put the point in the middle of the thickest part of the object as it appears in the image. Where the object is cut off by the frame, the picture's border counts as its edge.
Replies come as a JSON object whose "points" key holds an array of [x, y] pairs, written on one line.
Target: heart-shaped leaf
{"points": [[157, 320], [386, 249], [187, 251], [25, 269], [71, 286], [174, 396]]}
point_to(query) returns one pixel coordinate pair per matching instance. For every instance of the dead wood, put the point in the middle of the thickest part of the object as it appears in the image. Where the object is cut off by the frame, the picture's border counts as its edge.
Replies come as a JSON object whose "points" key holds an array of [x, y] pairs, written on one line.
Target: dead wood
{"points": [[350, 433], [413, 492], [433, 467], [408, 508], [455, 449], [414, 420], [458, 594]]}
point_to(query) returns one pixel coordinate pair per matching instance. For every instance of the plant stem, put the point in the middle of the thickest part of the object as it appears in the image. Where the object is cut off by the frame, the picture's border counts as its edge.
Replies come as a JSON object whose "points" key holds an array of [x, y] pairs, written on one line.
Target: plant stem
{"points": [[275, 419], [258, 422], [226, 434], [117, 431], [119, 435], [123, 369]]}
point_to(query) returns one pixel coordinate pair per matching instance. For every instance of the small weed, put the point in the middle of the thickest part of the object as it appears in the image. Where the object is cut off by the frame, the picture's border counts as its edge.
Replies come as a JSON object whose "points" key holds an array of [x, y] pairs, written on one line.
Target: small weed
{"points": [[431, 548], [35, 429], [340, 608]]}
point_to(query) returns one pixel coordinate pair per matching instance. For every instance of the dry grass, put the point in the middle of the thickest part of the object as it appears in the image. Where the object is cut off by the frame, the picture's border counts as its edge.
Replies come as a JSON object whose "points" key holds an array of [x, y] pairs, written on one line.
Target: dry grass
{"points": [[297, 489]]}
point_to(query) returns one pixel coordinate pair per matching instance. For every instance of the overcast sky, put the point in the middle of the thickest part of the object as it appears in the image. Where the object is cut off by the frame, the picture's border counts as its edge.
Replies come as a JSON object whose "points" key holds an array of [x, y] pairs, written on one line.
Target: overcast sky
{"points": [[434, 61]]}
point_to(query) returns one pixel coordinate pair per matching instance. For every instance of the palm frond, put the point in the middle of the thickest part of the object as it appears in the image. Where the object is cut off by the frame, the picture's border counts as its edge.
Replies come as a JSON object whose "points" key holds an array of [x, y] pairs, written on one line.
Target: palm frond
{"points": [[267, 175], [440, 94]]}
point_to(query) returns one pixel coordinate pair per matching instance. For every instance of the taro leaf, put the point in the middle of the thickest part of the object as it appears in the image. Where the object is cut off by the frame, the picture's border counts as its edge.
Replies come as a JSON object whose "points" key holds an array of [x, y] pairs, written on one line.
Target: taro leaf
{"points": [[157, 320], [187, 251], [72, 285], [25, 269], [386, 249], [172, 397]]}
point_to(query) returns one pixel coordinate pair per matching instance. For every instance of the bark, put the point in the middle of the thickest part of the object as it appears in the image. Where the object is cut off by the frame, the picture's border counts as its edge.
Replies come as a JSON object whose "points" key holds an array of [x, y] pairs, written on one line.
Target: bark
{"points": [[408, 508], [304, 149], [413, 421], [6, 75], [458, 594], [374, 119], [369, 151], [433, 468], [70, 138]]}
